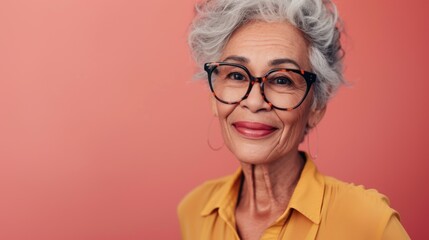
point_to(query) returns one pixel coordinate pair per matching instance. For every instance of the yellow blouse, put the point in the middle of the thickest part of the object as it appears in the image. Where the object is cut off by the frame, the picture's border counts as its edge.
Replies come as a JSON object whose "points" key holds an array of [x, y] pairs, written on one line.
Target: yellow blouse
{"points": [[320, 208]]}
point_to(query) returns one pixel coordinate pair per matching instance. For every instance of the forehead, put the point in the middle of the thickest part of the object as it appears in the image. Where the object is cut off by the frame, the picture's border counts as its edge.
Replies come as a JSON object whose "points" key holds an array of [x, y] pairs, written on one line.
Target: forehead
{"points": [[261, 42]]}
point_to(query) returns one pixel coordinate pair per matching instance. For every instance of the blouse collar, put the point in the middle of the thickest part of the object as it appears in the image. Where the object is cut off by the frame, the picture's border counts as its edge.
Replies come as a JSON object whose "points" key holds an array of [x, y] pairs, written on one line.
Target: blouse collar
{"points": [[307, 197]]}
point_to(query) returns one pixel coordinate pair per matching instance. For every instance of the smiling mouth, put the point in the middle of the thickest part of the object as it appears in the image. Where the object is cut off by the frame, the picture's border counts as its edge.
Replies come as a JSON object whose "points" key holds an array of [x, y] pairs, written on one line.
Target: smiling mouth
{"points": [[253, 130]]}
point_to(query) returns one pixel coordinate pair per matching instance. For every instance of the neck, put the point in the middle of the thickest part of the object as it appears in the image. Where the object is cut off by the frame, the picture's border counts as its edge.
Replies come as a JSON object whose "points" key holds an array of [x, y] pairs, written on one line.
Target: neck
{"points": [[267, 188]]}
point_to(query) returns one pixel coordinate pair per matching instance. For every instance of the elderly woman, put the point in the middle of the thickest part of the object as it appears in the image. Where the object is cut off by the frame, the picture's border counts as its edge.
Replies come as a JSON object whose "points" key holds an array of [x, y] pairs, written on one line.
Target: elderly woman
{"points": [[272, 65]]}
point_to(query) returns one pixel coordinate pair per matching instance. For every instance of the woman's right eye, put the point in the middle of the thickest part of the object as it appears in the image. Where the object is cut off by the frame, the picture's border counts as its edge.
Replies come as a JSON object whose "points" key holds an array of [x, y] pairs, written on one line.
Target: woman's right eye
{"points": [[236, 76]]}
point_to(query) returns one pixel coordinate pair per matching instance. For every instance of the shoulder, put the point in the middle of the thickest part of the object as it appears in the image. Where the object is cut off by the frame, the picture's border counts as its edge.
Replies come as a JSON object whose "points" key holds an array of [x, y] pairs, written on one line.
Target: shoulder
{"points": [[355, 208], [191, 206], [356, 195], [350, 190], [190, 209]]}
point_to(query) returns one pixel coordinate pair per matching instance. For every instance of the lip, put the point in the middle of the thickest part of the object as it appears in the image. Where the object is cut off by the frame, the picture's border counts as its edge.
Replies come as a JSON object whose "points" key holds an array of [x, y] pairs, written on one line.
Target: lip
{"points": [[253, 130]]}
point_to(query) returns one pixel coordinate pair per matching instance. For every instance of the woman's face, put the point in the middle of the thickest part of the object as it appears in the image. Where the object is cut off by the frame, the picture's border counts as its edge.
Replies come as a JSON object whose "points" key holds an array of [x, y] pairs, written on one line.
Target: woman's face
{"points": [[253, 131]]}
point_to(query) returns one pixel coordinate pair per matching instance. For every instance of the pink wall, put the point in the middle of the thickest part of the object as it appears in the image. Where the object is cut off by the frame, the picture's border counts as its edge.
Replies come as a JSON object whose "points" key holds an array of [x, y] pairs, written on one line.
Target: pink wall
{"points": [[102, 131]]}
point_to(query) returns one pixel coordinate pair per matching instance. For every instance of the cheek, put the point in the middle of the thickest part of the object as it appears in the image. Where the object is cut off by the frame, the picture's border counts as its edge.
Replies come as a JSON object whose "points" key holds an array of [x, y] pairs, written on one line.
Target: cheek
{"points": [[294, 124], [223, 112]]}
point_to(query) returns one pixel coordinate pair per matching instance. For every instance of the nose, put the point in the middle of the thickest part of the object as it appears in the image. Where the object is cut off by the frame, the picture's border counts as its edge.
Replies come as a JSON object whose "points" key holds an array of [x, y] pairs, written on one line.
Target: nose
{"points": [[255, 99]]}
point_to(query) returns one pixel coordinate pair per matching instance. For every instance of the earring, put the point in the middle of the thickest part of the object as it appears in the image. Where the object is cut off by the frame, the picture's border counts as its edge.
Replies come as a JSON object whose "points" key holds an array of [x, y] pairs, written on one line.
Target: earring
{"points": [[210, 134], [316, 155]]}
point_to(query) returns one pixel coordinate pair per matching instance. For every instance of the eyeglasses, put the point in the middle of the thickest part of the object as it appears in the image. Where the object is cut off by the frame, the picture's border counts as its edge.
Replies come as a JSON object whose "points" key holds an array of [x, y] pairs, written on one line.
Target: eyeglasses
{"points": [[283, 88]]}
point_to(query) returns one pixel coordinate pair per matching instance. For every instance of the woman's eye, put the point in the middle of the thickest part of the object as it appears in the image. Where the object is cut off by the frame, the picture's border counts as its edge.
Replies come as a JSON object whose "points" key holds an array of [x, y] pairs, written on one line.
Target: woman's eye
{"points": [[236, 76], [282, 81]]}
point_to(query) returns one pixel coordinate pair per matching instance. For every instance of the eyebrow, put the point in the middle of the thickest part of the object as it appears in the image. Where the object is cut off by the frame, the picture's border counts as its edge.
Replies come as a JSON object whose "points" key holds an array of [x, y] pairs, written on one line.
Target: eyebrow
{"points": [[280, 61], [272, 63], [236, 58]]}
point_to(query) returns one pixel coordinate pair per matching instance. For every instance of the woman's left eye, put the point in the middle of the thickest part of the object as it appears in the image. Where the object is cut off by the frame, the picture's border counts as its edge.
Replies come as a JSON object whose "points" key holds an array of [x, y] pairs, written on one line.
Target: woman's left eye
{"points": [[281, 81]]}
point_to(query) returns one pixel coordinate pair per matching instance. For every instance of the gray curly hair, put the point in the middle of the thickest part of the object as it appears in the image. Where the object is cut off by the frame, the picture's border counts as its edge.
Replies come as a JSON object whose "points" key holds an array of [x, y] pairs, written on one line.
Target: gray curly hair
{"points": [[216, 20]]}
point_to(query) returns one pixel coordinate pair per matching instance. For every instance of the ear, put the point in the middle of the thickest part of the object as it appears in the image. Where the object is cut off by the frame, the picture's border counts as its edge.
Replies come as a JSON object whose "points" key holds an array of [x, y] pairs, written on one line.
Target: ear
{"points": [[214, 106], [316, 116]]}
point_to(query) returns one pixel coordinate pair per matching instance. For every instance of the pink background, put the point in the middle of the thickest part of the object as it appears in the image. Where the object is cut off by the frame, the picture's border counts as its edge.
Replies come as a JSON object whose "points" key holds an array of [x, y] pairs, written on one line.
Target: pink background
{"points": [[102, 131]]}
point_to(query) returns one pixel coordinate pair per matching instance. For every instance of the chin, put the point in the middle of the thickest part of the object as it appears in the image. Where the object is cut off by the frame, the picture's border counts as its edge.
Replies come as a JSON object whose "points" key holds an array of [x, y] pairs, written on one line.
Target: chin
{"points": [[255, 155]]}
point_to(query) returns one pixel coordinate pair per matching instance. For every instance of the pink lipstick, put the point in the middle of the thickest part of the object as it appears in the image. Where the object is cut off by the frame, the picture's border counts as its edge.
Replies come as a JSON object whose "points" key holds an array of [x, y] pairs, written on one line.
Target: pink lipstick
{"points": [[253, 130]]}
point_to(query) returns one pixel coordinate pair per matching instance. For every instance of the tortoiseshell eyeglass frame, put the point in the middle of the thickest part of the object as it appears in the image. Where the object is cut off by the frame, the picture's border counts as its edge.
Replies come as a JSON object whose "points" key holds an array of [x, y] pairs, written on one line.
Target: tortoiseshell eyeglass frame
{"points": [[309, 77]]}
